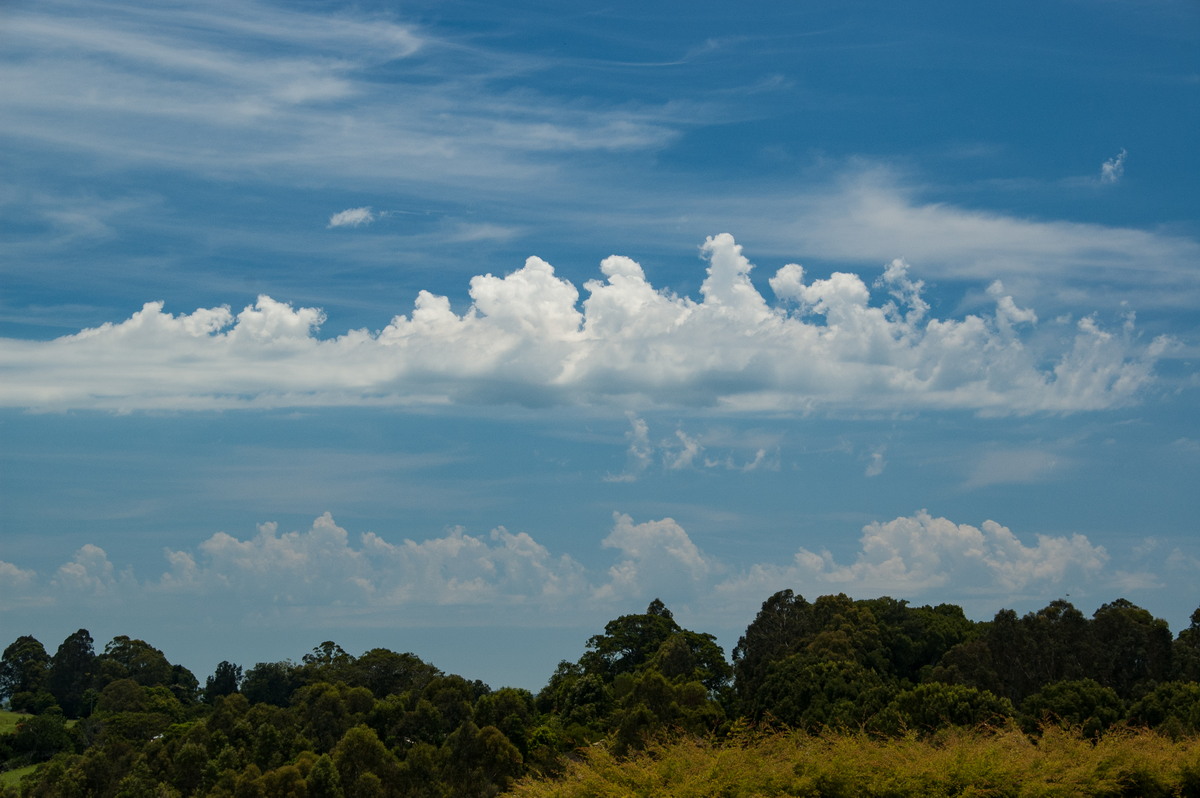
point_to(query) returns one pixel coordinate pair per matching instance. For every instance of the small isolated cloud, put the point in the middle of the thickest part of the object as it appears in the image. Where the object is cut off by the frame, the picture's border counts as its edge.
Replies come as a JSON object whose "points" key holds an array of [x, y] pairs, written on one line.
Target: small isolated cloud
{"points": [[351, 217], [640, 453], [876, 463], [1112, 170], [1014, 466]]}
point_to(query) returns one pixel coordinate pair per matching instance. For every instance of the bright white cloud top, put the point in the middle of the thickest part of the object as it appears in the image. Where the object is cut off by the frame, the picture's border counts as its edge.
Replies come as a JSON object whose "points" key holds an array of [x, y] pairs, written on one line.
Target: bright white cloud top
{"points": [[527, 338]]}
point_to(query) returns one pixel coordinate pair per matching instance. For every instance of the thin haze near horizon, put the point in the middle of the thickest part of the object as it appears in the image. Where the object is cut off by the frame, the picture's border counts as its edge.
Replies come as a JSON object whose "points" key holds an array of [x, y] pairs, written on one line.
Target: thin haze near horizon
{"points": [[462, 328]]}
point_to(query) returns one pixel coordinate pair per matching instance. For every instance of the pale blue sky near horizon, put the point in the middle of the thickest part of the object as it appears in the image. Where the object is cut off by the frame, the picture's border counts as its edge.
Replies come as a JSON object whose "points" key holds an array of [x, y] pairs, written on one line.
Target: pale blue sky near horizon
{"points": [[311, 326]]}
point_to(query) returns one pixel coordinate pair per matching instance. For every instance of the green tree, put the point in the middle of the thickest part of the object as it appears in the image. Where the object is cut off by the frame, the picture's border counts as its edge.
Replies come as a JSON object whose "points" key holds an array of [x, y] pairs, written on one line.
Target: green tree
{"points": [[1171, 707], [327, 662], [783, 620], [385, 672], [629, 641], [40, 737], [1133, 648], [929, 707], [24, 667], [1080, 703], [812, 693], [327, 711], [72, 673], [225, 680], [358, 753], [271, 683], [512, 711], [323, 779], [1185, 652], [479, 763], [126, 658]]}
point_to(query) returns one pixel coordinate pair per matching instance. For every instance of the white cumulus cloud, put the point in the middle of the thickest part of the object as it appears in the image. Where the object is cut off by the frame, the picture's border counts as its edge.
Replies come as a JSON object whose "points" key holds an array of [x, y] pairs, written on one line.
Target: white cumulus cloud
{"points": [[324, 573], [656, 556], [527, 338], [919, 554]]}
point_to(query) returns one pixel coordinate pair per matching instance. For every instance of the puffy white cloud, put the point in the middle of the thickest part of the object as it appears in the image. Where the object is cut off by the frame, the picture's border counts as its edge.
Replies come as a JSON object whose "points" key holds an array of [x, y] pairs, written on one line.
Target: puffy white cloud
{"points": [[527, 338], [89, 573], [323, 566], [326, 574], [919, 554], [14, 579], [656, 556], [351, 217], [1112, 170]]}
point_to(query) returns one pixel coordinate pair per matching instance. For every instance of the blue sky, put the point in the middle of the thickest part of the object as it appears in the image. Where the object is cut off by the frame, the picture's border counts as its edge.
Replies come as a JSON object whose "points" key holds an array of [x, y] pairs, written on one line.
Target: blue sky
{"points": [[462, 328]]}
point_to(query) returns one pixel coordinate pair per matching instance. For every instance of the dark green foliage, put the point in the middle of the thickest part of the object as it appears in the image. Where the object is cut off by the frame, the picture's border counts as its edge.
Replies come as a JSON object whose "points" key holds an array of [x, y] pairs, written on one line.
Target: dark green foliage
{"points": [[807, 692], [1172, 707], [629, 641], [40, 737], [324, 781], [125, 658], [271, 683], [1081, 704], [929, 707], [385, 672], [358, 757], [1185, 652], [511, 711], [226, 679], [643, 676], [389, 724], [1122, 647], [72, 673], [24, 668], [479, 763], [1132, 647]]}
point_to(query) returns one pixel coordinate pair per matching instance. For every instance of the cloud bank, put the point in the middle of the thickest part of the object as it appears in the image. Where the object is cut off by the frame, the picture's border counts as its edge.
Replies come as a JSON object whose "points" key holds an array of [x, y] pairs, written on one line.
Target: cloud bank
{"points": [[324, 572], [527, 338]]}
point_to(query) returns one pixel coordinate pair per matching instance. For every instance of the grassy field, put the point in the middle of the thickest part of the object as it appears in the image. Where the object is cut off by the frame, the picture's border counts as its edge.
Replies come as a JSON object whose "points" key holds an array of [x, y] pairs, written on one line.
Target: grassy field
{"points": [[1005, 763], [9, 721], [12, 778]]}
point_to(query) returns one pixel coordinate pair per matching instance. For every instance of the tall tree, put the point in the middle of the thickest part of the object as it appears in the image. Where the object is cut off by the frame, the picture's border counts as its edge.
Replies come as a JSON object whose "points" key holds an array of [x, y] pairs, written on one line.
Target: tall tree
{"points": [[127, 658], [72, 673], [773, 634], [225, 681], [629, 641], [24, 668]]}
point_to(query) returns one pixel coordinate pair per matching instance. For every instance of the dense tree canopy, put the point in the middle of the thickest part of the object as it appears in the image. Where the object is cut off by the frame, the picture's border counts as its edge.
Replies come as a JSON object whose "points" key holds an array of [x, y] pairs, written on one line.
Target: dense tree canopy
{"points": [[128, 722]]}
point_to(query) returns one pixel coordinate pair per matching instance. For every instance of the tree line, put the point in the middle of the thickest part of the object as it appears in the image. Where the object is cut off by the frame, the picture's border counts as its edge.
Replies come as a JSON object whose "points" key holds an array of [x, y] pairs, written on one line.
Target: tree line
{"points": [[127, 722]]}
